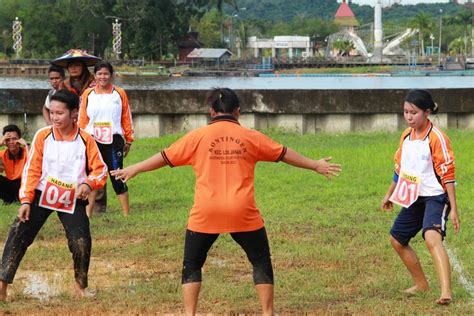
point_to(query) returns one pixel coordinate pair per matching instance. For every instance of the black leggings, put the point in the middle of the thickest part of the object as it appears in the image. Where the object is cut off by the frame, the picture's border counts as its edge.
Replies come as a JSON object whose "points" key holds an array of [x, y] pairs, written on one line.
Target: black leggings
{"points": [[113, 158], [22, 235], [254, 243]]}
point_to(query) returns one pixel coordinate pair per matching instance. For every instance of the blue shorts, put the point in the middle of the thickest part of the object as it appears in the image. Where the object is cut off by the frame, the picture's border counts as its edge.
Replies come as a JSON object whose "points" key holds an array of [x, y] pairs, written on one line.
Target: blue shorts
{"points": [[428, 212]]}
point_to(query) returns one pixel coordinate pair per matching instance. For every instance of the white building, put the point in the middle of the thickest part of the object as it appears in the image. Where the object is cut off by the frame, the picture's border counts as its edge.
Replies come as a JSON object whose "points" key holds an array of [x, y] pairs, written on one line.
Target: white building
{"points": [[291, 46]]}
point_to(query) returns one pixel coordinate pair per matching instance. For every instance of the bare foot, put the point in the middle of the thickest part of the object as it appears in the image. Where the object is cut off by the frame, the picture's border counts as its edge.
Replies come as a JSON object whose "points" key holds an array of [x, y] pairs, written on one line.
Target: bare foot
{"points": [[415, 289], [444, 300], [84, 293]]}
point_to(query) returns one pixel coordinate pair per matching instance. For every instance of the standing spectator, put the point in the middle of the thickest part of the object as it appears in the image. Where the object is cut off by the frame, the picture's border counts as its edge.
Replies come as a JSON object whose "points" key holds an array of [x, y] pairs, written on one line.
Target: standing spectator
{"points": [[106, 115], [55, 77]]}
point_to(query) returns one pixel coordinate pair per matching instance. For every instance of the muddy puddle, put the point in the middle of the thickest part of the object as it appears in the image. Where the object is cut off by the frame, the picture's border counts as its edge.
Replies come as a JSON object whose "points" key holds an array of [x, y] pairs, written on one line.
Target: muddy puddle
{"points": [[42, 285]]}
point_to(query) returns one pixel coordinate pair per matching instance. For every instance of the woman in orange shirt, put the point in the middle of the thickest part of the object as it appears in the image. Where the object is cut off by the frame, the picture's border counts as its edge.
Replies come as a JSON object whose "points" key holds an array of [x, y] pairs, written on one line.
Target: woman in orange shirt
{"points": [[63, 166], [424, 185], [223, 156]]}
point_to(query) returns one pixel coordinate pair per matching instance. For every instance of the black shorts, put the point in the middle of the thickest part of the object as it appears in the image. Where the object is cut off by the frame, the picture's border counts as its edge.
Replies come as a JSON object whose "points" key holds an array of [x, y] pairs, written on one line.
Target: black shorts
{"points": [[254, 243], [9, 189], [113, 158]]}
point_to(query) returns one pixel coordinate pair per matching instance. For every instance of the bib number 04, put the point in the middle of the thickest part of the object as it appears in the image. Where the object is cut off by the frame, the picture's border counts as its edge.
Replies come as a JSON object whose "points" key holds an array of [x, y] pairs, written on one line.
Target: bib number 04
{"points": [[59, 196]]}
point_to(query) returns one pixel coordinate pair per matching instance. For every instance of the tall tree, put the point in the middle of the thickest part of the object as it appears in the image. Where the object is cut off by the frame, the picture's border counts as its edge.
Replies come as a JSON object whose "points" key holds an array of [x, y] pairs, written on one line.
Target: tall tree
{"points": [[464, 19], [424, 23]]}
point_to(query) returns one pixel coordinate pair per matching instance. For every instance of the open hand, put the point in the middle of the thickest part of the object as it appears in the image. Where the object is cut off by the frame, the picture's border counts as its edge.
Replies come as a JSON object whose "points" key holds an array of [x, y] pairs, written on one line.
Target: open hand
{"points": [[327, 169], [124, 174]]}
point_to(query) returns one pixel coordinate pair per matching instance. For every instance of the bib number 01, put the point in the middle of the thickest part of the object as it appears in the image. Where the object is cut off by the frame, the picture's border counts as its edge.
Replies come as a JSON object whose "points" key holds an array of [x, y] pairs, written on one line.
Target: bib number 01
{"points": [[58, 196], [407, 190]]}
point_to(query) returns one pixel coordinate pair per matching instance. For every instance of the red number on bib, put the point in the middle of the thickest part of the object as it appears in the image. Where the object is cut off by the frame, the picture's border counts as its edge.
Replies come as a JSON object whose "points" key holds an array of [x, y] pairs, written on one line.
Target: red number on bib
{"points": [[407, 190], [103, 132], [58, 198]]}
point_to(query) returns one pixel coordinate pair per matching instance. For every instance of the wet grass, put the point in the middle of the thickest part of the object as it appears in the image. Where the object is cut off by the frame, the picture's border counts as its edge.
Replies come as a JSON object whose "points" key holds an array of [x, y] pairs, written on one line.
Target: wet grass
{"points": [[329, 240]]}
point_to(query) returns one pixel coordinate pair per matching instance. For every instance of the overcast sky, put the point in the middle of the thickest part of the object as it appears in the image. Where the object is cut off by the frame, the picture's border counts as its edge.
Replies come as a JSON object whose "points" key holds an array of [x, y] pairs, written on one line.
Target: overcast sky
{"points": [[386, 2]]}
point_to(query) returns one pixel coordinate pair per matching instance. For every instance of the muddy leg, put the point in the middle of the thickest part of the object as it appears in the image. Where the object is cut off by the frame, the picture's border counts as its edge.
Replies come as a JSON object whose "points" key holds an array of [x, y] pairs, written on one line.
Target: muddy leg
{"points": [[79, 241], [20, 237]]}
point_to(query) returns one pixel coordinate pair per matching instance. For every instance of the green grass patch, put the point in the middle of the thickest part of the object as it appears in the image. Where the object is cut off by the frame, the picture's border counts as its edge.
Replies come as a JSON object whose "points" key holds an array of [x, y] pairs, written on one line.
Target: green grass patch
{"points": [[329, 240]]}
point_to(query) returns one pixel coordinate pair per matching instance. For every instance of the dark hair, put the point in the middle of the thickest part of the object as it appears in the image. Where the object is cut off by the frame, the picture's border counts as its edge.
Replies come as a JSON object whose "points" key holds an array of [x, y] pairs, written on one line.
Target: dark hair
{"points": [[223, 100], [12, 128], [67, 97], [54, 68], [422, 99], [103, 64], [81, 83]]}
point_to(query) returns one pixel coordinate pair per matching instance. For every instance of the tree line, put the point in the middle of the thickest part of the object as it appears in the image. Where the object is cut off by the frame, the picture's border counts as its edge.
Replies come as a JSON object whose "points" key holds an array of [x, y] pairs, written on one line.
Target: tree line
{"points": [[151, 29]]}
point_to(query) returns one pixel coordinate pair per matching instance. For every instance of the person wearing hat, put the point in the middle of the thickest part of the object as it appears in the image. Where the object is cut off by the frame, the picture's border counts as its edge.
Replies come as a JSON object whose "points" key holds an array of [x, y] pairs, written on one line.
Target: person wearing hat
{"points": [[76, 63]]}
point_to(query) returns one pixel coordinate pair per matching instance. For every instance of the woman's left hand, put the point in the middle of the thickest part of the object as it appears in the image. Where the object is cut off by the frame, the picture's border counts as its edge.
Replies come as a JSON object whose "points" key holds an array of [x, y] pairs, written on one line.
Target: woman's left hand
{"points": [[455, 220], [126, 149]]}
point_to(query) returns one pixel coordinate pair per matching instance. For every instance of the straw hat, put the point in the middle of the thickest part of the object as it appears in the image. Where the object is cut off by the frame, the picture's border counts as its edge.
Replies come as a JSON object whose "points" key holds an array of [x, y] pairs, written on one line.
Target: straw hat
{"points": [[76, 54]]}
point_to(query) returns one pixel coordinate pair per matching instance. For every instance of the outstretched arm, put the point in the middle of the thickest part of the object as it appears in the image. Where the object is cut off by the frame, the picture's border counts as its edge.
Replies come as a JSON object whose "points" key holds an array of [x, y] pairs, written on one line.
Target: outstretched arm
{"points": [[152, 163], [322, 166]]}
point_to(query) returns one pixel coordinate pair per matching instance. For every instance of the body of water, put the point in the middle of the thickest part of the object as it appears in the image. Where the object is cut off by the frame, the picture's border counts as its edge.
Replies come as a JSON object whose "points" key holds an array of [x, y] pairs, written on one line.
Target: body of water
{"points": [[266, 83]]}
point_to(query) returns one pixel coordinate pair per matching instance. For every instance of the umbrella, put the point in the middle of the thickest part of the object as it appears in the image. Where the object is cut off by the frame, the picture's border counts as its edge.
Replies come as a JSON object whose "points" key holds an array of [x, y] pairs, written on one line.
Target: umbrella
{"points": [[76, 54]]}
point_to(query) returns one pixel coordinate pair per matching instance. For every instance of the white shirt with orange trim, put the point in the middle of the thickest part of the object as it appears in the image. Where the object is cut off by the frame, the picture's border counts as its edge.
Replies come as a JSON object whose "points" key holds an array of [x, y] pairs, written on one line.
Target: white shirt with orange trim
{"points": [[110, 107], [75, 159], [430, 157]]}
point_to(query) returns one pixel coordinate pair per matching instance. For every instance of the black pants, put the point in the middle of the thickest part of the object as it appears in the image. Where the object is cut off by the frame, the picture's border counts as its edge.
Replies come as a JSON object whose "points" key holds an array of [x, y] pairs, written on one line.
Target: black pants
{"points": [[254, 243], [22, 235], [113, 158], [9, 189]]}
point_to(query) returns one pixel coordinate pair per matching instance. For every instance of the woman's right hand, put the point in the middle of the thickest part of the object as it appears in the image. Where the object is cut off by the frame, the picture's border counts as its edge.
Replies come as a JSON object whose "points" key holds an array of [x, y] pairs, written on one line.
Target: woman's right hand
{"points": [[387, 205], [24, 213]]}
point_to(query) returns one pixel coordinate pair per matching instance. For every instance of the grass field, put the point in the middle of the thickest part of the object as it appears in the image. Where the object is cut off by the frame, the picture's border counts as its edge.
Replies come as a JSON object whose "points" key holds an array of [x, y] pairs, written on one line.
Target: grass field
{"points": [[329, 241]]}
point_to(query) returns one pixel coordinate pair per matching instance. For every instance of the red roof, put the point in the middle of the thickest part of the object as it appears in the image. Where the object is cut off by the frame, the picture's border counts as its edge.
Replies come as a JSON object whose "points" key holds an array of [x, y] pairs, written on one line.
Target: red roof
{"points": [[344, 11]]}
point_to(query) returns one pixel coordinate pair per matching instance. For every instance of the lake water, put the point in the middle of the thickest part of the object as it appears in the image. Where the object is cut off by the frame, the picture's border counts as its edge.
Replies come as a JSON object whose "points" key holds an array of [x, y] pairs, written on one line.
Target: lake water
{"points": [[266, 83]]}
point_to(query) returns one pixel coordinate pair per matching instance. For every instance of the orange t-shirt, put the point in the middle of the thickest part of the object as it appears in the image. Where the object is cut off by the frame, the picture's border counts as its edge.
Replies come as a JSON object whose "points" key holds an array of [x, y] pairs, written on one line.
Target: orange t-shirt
{"points": [[223, 156], [13, 167]]}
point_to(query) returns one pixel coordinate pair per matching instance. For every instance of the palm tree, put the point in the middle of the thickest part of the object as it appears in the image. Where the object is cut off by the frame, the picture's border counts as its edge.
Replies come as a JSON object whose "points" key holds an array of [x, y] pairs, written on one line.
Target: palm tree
{"points": [[456, 47], [424, 23], [463, 18], [343, 47]]}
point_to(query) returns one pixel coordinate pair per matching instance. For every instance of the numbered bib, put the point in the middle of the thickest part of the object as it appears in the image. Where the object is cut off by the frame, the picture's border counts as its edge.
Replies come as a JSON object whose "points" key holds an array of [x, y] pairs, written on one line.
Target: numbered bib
{"points": [[59, 196], [407, 189], [103, 132]]}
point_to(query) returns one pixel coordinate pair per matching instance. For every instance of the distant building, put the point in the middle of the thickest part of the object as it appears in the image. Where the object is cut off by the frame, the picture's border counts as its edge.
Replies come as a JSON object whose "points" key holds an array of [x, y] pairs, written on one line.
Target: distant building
{"points": [[289, 46], [210, 56], [345, 18], [187, 44]]}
